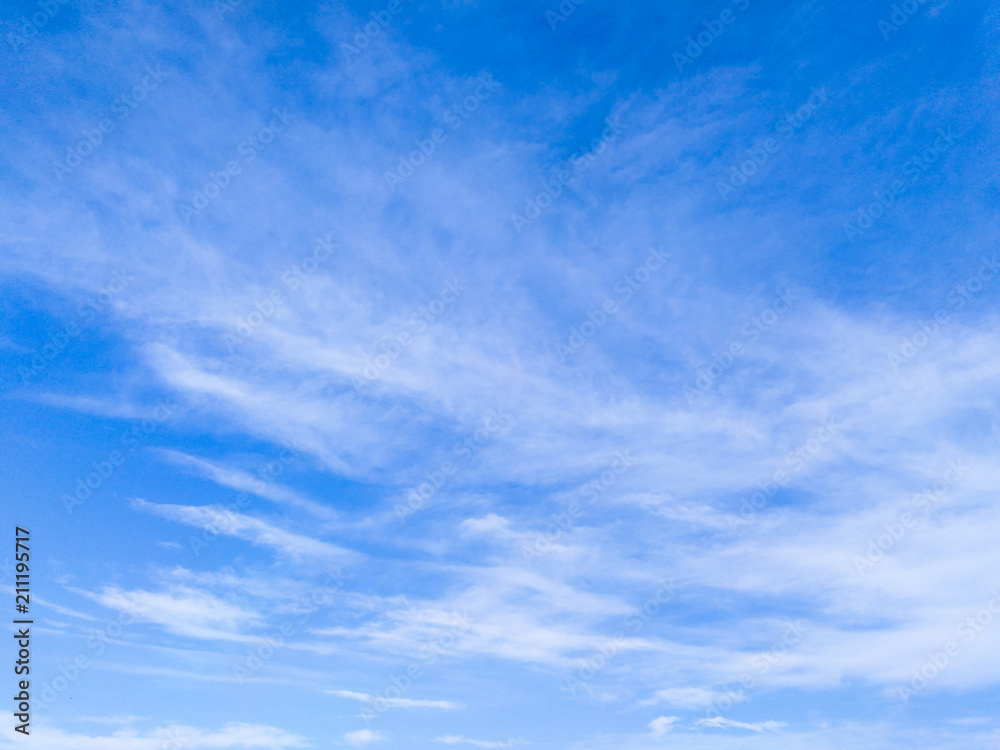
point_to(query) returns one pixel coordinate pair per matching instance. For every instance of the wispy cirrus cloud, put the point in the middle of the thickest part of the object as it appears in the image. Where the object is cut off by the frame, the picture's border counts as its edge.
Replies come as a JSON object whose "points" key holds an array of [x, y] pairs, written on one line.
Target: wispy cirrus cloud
{"points": [[184, 611], [220, 520], [394, 702], [247, 482], [723, 723], [457, 739], [736, 497]]}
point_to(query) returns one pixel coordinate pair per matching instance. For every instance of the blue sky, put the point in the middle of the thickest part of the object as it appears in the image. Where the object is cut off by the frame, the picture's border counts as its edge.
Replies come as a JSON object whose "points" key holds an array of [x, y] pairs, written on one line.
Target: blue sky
{"points": [[427, 374]]}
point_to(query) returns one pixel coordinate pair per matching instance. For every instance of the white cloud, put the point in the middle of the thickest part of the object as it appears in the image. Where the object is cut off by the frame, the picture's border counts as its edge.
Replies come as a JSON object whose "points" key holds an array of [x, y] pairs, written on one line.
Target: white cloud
{"points": [[454, 739], [291, 381], [508, 612], [231, 735], [489, 524], [393, 702], [662, 724], [247, 482], [363, 737], [184, 611], [688, 698], [720, 722], [221, 520]]}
